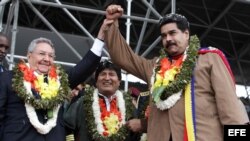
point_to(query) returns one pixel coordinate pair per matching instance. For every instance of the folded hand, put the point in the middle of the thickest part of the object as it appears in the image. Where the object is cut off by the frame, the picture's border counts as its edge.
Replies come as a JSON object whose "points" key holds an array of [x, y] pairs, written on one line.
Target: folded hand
{"points": [[114, 12]]}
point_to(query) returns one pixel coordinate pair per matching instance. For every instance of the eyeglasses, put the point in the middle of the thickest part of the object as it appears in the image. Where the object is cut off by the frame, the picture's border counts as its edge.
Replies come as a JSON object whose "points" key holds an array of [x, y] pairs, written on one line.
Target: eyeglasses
{"points": [[44, 54]]}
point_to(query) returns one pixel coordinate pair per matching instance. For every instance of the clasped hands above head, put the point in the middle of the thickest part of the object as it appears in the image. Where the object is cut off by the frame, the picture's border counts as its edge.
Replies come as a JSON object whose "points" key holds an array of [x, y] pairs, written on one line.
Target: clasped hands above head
{"points": [[114, 12]]}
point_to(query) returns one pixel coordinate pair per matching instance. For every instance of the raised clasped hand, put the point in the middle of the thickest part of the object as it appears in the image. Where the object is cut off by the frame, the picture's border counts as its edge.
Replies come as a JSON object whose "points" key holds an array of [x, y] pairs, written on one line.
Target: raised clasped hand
{"points": [[114, 12]]}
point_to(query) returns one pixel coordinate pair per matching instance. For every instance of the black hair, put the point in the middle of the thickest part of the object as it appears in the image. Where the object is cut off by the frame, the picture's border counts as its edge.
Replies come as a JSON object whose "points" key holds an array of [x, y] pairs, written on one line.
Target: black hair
{"points": [[2, 34], [180, 20], [107, 65]]}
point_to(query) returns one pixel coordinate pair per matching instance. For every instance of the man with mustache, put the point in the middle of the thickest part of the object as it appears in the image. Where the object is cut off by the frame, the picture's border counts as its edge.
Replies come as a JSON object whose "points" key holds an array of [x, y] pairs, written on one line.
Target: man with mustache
{"points": [[192, 89], [4, 46]]}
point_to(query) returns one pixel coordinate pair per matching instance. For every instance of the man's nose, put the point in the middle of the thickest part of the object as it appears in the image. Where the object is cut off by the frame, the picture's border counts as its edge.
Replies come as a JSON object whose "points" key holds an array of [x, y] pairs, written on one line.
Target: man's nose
{"points": [[107, 77], [3, 51], [46, 57], [169, 38]]}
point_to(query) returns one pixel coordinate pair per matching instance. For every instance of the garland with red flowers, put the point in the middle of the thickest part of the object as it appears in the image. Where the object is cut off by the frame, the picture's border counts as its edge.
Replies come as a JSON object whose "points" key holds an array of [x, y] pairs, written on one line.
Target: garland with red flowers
{"points": [[122, 132], [183, 77], [22, 72]]}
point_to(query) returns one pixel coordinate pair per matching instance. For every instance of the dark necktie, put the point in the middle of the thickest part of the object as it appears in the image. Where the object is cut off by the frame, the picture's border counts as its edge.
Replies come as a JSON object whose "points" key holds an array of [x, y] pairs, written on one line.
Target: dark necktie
{"points": [[1, 68], [45, 79]]}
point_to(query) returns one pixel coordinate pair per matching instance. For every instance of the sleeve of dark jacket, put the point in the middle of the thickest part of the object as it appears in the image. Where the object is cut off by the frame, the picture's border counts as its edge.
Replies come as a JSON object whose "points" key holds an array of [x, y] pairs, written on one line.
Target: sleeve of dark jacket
{"points": [[84, 69], [72, 114]]}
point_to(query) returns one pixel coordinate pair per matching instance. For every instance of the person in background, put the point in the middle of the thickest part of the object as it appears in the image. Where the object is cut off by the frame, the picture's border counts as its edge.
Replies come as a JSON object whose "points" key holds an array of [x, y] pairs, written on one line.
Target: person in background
{"points": [[76, 93], [4, 46], [193, 93], [32, 94], [140, 101], [134, 92]]}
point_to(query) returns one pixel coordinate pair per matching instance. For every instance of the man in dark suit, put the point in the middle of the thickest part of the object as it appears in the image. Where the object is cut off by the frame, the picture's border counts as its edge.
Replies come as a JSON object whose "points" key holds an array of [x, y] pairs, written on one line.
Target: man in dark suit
{"points": [[4, 46], [32, 94]]}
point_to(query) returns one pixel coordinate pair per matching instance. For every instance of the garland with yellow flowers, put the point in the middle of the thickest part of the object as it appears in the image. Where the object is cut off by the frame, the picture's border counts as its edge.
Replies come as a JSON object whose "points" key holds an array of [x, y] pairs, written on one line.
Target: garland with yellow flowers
{"points": [[177, 77], [51, 94], [110, 126]]}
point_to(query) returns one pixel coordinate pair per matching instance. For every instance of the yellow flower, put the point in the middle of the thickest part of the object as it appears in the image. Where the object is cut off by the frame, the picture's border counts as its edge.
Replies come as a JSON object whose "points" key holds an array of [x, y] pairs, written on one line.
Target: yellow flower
{"points": [[47, 90], [112, 123], [38, 82], [158, 80], [170, 75]]}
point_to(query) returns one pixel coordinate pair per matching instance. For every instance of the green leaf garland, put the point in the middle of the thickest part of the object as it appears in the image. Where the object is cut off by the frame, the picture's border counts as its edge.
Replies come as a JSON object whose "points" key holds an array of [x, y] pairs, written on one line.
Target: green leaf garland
{"points": [[184, 77], [122, 132], [63, 92]]}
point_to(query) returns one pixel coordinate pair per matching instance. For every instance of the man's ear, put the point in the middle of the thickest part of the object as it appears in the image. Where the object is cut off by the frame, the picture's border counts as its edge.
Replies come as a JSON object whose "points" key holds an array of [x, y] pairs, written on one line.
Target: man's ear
{"points": [[186, 32], [28, 55]]}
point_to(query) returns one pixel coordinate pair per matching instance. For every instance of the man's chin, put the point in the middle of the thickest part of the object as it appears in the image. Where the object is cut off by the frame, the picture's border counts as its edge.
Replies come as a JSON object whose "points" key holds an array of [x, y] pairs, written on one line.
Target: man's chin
{"points": [[43, 71], [172, 53], [171, 49], [107, 89]]}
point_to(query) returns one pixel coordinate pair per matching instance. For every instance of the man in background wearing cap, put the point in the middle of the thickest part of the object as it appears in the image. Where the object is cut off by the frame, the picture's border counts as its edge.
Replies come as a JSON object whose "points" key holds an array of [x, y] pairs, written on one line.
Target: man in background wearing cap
{"points": [[134, 92], [192, 90], [139, 123]]}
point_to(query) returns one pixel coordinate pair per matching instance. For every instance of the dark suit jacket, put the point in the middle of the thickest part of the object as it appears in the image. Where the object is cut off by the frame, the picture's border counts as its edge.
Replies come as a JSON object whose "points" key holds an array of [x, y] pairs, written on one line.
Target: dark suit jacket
{"points": [[2, 68], [14, 123]]}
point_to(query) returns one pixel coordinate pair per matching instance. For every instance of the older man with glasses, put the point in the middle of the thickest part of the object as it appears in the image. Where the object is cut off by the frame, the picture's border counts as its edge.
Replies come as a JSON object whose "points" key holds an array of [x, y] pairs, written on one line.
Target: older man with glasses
{"points": [[32, 95]]}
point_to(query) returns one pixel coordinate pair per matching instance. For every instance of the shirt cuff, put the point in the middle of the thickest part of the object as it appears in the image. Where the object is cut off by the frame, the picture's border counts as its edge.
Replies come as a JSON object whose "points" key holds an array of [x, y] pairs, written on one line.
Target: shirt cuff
{"points": [[97, 47]]}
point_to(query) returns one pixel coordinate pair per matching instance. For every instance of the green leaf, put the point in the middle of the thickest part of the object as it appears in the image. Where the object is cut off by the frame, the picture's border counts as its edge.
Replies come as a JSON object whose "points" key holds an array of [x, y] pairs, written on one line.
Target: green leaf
{"points": [[157, 92], [50, 113]]}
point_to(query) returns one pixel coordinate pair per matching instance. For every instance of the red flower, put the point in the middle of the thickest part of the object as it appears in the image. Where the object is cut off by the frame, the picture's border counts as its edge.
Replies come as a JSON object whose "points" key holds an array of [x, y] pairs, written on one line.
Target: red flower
{"points": [[105, 133], [104, 113], [179, 61], [28, 74], [165, 65], [22, 67], [52, 72]]}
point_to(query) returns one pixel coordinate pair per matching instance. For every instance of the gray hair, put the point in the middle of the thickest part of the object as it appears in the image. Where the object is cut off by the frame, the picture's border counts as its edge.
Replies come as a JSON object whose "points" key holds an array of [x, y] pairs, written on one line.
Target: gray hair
{"points": [[33, 43]]}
